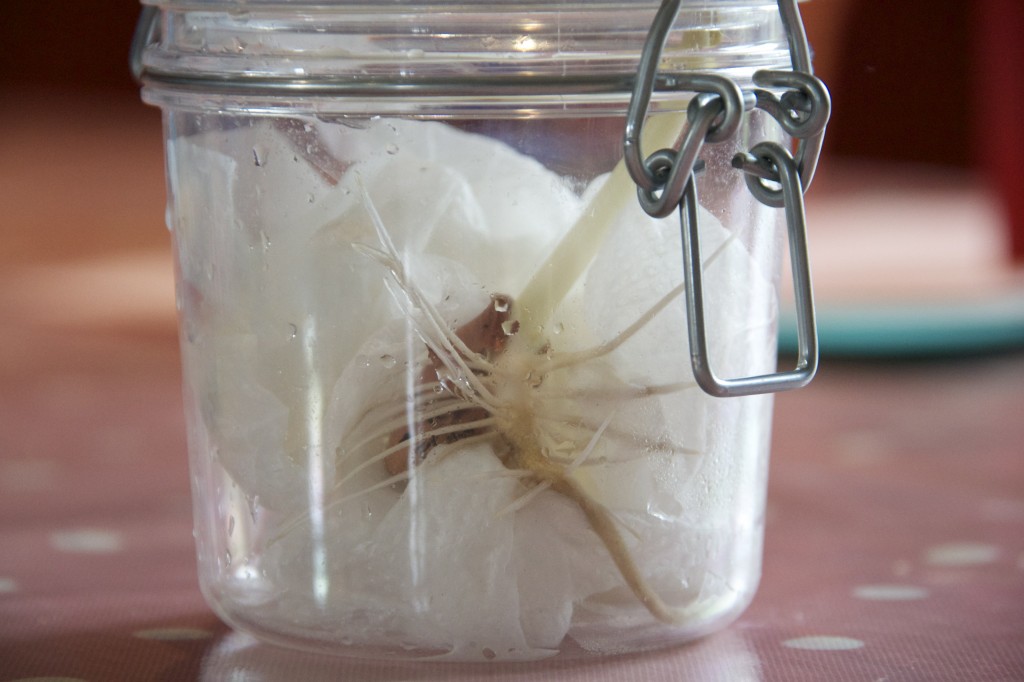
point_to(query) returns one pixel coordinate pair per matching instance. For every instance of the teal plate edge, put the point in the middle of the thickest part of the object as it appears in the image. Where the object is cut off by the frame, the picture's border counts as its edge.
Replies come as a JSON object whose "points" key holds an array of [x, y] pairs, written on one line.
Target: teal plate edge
{"points": [[901, 329]]}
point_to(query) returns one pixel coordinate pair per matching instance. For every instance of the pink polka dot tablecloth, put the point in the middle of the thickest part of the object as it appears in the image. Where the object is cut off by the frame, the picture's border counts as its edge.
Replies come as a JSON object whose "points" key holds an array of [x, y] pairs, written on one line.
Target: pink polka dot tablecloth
{"points": [[895, 527], [895, 543]]}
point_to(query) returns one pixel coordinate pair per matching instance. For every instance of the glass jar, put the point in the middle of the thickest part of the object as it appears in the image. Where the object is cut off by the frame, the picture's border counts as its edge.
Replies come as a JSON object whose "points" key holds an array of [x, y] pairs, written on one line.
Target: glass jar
{"points": [[437, 373]]}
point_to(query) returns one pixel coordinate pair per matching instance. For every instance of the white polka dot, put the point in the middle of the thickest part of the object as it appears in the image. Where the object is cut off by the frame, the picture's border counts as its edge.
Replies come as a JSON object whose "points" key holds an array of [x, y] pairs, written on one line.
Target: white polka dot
{"points": [[824, 643], [961, 554], [86, 541], [174, 634], [890, 592], [8, 585]]}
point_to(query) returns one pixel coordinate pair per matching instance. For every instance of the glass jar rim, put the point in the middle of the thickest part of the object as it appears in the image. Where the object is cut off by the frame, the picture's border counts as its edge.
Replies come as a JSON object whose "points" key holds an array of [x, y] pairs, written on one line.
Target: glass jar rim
{"points": [[459, 47]]}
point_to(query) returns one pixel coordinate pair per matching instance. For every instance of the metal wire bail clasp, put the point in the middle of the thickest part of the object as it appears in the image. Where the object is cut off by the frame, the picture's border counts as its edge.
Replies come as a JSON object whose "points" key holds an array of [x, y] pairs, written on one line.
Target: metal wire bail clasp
{"points": [[787, 174], [713, 116], [666, 179]]}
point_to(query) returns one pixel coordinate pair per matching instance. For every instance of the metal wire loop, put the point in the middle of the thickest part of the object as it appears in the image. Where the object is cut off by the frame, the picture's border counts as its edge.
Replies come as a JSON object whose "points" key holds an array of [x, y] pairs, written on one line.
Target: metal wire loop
{"points": [[671, 168], [760, 168], [802, 112], [714, 115], [774, 175], [807, 342]]}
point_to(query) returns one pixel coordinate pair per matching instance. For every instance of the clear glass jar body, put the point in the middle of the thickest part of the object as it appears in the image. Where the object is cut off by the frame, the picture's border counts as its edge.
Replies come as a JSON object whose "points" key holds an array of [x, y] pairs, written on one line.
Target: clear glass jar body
{"points": [[438, 387]]}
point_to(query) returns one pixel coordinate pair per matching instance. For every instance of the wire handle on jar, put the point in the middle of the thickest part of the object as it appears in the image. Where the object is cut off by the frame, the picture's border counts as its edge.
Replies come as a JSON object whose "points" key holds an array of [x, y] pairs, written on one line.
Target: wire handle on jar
{"points": [[775, 175]]}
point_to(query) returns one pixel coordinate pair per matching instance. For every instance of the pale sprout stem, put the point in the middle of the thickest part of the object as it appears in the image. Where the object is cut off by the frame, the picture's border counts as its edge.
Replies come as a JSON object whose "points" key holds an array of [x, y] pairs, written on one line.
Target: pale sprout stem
{"points": [[556, 277]]}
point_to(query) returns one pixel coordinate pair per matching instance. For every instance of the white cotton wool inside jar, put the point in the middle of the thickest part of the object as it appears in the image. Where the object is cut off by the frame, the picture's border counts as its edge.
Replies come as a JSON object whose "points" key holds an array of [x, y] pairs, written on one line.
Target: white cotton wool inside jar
{"points": [[467, 558]]}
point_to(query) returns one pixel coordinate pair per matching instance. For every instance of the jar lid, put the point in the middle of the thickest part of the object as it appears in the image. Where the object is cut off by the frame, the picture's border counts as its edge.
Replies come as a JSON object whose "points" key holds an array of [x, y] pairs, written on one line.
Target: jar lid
{"points": [[450, 47]]}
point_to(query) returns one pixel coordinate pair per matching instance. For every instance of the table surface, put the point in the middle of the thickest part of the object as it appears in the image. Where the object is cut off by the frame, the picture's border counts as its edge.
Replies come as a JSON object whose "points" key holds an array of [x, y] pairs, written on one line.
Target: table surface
{"points": [[895, 534]]}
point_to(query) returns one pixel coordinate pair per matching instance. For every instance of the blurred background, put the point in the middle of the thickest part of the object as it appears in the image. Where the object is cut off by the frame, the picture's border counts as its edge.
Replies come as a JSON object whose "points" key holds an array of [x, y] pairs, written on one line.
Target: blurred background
{"points": [[919, 198]]}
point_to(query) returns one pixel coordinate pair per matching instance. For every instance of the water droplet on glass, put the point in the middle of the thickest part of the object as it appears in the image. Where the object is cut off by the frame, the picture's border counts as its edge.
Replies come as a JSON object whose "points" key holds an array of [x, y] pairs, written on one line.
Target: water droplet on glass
{"points": [[258, 156], [310, 198], [558, 328], [227, 557], [388, 361], [392, 148], [445, 379], [501, 304], [295, 330], [231, 526], [265, 240]]}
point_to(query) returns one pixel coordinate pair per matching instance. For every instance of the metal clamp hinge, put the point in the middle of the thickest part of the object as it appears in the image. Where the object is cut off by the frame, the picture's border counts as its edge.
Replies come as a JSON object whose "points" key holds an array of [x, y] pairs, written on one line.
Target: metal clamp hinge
{"points": [[775, 175]]}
